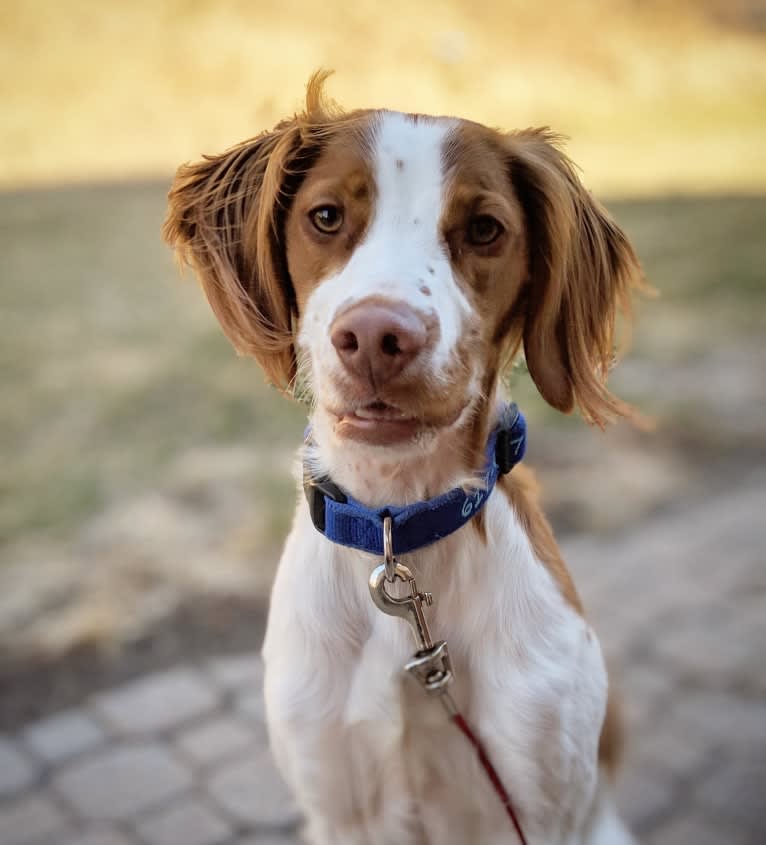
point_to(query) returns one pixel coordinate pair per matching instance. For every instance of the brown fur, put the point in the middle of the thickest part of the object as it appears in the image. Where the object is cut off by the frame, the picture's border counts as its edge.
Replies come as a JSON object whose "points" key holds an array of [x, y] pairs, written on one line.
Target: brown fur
{"points": [[612, 739], [578, 266], [581, 268], [522, 490], [226, 217], [341, 176], [553, 281]]}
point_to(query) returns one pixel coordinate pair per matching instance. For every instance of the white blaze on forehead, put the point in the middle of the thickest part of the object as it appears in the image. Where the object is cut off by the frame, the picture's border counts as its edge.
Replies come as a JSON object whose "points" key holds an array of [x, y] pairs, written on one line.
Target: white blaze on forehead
{"points": [[409, 173], [402, 255], [404, 243]]}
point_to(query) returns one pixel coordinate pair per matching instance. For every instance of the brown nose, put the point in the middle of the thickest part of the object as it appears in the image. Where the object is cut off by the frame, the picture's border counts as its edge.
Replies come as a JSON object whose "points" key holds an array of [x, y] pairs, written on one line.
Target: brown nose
{"points": [[376, 341]]}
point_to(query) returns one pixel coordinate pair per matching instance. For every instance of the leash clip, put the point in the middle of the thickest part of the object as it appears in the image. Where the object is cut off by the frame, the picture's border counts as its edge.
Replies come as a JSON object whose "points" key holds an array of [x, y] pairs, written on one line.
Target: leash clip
{"points": [[432, 669], [409, 608], [431, 665]]}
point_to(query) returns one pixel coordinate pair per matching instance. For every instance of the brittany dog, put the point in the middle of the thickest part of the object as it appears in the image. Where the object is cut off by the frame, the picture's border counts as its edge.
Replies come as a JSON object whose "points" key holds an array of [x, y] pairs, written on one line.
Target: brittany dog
{"points": [[391, 267]]}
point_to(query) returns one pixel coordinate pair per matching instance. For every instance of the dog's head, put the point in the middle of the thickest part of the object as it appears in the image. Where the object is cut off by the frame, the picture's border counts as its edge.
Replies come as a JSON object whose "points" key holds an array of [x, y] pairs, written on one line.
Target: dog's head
{"points": [[402, 261]]}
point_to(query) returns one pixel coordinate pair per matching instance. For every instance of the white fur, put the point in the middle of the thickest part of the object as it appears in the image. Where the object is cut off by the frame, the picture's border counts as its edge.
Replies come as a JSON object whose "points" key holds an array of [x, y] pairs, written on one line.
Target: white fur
{"points": [[605, 826], [369, 757], [371, 760], [401, 252]]}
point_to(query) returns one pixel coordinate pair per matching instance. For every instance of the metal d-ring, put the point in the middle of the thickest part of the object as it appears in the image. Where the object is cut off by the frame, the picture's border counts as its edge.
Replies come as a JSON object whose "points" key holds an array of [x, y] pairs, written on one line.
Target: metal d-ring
{"points": [[388, 549]]}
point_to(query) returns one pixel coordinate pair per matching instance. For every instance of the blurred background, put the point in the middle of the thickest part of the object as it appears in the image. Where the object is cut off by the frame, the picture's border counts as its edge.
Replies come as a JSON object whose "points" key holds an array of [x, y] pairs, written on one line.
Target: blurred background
{"points": [[147, 482]]}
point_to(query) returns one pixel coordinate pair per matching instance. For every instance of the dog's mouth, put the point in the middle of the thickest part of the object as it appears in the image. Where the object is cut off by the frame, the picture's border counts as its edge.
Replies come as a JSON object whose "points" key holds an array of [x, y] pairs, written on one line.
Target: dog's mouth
{"points": [[380, 412], [377, 423], [380, 423]]}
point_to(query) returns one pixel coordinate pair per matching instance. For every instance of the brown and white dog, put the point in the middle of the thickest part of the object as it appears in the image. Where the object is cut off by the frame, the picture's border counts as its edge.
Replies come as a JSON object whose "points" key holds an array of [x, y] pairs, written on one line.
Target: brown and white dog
{"points": [[397, 263]]}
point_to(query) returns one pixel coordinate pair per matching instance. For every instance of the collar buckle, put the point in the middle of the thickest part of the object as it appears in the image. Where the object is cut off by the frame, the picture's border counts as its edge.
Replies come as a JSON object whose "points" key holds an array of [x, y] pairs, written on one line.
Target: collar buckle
{"points": [[511, 439], [316, 489]]}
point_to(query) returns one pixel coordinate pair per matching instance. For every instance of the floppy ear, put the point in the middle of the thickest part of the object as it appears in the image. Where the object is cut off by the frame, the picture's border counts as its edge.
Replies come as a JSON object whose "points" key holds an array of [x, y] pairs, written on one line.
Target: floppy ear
{"points": [[581, 269], [225, 219]]}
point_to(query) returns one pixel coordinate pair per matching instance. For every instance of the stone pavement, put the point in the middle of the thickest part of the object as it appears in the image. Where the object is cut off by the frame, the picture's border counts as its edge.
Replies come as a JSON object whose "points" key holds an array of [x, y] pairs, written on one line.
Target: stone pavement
{"points": [[180, 757]]}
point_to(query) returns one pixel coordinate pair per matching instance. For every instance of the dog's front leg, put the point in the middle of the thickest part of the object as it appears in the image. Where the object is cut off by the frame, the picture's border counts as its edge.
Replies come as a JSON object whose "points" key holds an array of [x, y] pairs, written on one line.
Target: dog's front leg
{"points": [[345, 796], [542, 722], [333, 715], [346, 777]]}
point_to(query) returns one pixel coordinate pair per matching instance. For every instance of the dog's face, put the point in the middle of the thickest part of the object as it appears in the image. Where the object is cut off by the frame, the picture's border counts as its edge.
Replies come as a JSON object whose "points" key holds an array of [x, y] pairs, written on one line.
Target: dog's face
{"points": [[403, 260]]}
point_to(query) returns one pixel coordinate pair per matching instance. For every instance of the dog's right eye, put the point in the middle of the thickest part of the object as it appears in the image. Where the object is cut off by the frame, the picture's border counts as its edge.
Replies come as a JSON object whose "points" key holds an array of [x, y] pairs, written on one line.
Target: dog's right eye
{"points": [[326, 219]]}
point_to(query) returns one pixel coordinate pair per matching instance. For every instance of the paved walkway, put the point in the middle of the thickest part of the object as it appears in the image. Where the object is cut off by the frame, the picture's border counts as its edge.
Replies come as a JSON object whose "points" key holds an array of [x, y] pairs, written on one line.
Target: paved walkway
{"points": [[180, 757]]}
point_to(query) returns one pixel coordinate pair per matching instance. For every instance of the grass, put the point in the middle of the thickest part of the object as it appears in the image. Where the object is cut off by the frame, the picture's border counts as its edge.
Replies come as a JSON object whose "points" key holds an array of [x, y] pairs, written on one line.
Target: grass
{"points": [[112, 368], [111, 365]]}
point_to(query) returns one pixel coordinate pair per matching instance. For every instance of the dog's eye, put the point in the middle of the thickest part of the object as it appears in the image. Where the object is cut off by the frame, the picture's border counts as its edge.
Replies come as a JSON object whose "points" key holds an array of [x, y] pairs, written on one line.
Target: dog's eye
{"points": [[327, 218], [483, 230]]}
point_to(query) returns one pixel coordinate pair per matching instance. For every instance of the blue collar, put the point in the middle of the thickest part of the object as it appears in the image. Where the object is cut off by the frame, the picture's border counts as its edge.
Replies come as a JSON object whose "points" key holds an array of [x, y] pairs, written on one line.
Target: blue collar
{"points": [[344, 520]]}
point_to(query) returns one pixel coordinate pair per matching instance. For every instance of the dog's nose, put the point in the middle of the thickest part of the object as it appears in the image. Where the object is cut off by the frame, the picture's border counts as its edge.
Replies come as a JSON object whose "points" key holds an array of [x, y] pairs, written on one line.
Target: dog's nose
{"points": [[376, 341]]}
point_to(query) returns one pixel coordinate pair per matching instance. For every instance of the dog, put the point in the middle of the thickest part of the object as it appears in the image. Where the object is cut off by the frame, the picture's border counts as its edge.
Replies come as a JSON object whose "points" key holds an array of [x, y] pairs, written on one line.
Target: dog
{"points": [[392, 267]]}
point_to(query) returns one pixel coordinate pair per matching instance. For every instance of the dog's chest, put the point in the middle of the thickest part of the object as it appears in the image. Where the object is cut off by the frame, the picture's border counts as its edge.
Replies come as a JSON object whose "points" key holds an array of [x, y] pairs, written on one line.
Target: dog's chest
{"points": [[529, 678], [537, 710]]}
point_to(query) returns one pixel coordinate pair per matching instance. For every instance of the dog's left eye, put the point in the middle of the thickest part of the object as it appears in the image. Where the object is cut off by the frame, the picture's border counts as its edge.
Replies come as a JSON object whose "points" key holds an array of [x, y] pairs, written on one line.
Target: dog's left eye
{"points": [[327, 218], [484, 230]]}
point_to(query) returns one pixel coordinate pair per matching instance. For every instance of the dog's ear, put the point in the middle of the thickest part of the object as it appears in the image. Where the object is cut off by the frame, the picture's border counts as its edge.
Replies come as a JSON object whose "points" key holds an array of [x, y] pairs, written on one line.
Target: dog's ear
{"points": [[581, 270], [225, 219]]}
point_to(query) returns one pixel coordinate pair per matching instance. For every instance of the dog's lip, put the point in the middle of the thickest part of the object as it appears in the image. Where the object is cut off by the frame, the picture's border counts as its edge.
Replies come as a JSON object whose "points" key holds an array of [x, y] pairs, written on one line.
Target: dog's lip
{"points": [[383, 424], [377, 423], [379, 411]]}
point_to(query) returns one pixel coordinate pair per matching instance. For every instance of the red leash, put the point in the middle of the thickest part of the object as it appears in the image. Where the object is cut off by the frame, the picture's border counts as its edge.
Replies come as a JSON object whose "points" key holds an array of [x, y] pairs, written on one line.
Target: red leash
{"points": [[494, 777]]}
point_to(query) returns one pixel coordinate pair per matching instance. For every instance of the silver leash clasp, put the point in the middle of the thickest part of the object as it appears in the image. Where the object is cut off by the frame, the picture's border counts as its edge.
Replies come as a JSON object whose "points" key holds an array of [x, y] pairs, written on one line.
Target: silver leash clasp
{"points": [[431, 665]]}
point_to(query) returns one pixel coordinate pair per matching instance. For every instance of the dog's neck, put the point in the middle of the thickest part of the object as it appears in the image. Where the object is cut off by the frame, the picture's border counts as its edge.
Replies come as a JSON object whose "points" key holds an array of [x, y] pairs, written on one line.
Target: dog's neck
{"points": [[379, 476]]}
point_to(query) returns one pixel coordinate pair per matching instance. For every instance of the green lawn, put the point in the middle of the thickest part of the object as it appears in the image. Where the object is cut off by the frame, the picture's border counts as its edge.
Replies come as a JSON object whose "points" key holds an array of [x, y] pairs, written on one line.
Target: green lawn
{"points": [[111, 366]]}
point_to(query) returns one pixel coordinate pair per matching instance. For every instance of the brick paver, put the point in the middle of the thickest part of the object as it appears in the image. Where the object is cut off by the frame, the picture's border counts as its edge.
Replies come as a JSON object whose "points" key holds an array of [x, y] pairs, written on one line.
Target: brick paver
{"points": [[188, 821], [17, 769], [697, 832], [736, 792], [219, 738], [122, 782], [157, 702], [250, 703], [180, 757], [98, 836], [63, 735], [254, 793], [236, 671], [31, 819]]}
